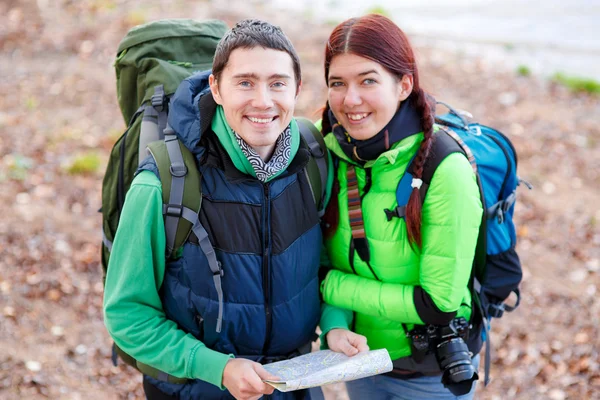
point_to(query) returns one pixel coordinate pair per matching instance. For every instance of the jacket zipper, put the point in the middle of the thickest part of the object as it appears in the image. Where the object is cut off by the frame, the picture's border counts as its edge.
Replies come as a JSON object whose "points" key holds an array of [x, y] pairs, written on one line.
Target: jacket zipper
{"points": [[266, 270]]}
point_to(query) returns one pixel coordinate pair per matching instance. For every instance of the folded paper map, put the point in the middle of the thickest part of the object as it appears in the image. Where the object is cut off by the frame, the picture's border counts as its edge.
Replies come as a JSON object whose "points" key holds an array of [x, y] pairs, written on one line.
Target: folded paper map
{"points": [[326, 367]]}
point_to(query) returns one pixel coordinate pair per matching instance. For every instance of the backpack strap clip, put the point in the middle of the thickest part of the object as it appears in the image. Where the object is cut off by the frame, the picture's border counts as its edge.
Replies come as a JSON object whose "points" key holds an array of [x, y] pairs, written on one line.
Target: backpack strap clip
{"points": [[220, 272], [398, 212], [158, 99], [495, 310], [173, 210], [316, 150], [500, 208], [178, 169]]}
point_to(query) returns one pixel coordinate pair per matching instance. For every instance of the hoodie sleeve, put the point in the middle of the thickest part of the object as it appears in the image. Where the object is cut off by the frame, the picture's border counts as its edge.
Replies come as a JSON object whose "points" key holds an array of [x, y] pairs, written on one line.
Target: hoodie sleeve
{"points": [[133, 311]]}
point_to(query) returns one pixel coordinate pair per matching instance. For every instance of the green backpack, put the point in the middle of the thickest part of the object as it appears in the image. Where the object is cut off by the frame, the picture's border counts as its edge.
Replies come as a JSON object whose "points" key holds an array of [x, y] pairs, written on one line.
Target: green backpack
{"points": [[152, 60]]}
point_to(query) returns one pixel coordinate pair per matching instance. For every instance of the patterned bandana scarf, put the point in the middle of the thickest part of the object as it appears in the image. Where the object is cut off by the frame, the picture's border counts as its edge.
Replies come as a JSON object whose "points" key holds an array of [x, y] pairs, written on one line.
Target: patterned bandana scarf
{"points": [[279, 160]]}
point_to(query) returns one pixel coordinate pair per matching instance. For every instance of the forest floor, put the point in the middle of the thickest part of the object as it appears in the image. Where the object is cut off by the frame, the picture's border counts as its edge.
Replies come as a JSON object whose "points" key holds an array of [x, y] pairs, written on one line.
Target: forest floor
{"points": [[58, 107]]}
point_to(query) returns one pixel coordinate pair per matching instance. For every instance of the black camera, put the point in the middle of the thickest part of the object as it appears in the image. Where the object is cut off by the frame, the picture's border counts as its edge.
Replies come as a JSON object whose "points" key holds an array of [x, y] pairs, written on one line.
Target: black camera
{"points": [[450, 350]]}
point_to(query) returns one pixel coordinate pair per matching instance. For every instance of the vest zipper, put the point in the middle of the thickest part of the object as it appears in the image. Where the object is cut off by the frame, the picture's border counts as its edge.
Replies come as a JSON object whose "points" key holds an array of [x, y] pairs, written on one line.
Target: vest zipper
{"points": [[266, 270]]}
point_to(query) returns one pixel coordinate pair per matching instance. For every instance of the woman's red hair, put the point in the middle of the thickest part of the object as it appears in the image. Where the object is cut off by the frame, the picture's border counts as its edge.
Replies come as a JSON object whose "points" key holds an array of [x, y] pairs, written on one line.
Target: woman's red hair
{"points": [[379, 39]]}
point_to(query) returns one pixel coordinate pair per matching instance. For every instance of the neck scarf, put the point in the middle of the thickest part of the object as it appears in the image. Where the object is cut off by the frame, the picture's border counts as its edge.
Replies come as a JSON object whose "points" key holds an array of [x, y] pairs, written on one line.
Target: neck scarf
{"points": [[278, 161], [245, 157]]}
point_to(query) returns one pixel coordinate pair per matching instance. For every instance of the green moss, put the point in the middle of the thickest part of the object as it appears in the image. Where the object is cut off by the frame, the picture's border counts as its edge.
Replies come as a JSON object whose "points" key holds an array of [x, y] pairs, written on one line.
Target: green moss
{"points": [[84, 163], [578, 84], [523, 70], [17, 167], [31, 103], [378, 10]]}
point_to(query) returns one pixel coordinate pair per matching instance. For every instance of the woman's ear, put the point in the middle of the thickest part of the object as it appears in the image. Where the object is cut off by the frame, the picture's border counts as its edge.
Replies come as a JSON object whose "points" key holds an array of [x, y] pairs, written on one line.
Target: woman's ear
{"points": [[405, 87]]}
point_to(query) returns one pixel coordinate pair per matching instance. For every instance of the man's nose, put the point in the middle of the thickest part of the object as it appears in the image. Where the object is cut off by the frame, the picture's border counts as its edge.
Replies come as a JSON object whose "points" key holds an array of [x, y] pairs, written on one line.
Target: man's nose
{"points": [[263, 98]]}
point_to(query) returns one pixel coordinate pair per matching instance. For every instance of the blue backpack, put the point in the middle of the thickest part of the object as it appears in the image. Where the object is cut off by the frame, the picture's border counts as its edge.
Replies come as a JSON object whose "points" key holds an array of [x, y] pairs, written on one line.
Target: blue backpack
{"points": [[496, 268]]}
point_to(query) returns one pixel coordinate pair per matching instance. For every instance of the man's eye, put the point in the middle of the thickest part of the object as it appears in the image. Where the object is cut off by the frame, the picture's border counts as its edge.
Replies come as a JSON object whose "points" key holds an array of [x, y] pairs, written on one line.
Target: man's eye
{"points": [[245, 83], [278, 84]]}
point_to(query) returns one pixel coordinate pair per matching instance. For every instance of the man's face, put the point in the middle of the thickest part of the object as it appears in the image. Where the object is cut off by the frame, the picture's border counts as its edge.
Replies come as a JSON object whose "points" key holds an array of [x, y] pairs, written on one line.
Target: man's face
{"points": [[258, 92]]}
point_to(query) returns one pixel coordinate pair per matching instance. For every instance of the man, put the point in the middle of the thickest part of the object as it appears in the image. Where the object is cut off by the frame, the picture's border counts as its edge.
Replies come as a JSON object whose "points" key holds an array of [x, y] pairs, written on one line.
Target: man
{"points": [[259, 212]]}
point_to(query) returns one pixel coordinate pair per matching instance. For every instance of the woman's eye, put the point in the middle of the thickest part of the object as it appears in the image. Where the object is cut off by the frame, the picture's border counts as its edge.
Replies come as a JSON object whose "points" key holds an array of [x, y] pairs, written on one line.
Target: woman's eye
{"points": [[369, 81], [335, 84]]}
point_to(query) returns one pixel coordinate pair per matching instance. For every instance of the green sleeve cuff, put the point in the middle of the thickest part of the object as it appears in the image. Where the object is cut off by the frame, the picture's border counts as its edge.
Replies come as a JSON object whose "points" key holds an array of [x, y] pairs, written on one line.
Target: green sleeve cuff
{"points": [[333, 318], [208, 365]]}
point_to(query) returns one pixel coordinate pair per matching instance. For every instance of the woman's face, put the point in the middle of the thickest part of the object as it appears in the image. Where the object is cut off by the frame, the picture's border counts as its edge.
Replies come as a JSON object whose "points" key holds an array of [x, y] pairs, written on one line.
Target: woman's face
{"points": [[363, 95]]}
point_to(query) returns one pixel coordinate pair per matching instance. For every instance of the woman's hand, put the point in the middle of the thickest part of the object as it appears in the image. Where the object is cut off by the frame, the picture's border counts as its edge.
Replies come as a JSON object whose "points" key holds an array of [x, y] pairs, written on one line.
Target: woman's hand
{"points": [[347, 342]]}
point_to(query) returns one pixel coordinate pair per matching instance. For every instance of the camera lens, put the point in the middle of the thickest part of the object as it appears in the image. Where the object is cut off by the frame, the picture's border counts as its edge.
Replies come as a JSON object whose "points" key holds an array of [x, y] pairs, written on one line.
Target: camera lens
{"points": [[455, 361]]}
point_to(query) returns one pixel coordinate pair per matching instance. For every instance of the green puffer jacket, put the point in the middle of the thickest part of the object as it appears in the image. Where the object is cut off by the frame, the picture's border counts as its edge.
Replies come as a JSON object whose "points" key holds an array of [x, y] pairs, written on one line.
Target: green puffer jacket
{"points": [[451, 216]]}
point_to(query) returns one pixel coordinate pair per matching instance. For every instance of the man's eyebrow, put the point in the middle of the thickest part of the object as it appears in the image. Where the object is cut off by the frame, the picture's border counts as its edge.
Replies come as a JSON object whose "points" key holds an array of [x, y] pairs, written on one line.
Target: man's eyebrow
{"points": [[255, 76], [371, 71]]}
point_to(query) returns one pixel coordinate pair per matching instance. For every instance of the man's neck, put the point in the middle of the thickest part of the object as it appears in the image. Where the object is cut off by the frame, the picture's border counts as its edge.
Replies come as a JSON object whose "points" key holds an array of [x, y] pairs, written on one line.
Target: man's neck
{"points": [[265, 152]]}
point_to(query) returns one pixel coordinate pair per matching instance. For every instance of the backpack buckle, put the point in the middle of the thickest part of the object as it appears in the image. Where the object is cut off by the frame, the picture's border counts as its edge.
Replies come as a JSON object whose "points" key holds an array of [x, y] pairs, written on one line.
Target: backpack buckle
{"points": [[158, 98], [316, 150], [220, 271], [495, 310], [178, 170], [173, 210], [500, 215]]}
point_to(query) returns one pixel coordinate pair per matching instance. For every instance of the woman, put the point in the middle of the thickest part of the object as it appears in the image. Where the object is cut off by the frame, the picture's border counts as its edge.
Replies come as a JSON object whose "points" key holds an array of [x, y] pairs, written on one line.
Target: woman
{"points": [[391, 275]]}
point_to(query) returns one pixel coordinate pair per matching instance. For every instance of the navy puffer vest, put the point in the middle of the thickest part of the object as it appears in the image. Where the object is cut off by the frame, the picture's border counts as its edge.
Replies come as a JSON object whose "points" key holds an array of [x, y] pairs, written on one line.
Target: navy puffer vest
{"points": [[268, 239]]}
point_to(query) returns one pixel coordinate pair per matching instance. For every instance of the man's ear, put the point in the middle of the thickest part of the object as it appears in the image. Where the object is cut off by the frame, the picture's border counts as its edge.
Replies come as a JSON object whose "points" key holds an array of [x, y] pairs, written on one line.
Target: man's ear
{"points": [[214, 89], [405, 87], [298, 89]]}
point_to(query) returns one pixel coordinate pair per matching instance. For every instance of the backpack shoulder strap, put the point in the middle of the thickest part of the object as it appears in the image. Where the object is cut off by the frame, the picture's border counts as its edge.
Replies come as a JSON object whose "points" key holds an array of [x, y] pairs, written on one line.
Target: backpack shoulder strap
{"points": [[180, 180], [154, 120], [317, 168], [442, 147], [182, 198]]}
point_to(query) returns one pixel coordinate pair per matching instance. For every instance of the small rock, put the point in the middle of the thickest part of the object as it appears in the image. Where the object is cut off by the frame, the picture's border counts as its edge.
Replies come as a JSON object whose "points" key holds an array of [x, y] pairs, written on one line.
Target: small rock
{"points": [[23, 198], [582, 338], [517, 129], [578, 276], [81, 349], [549, 188], [5, 287], [33, 366], [593, 265], [62, 247], [57, 330], [507, 99], [591, 290], [556, 394]]}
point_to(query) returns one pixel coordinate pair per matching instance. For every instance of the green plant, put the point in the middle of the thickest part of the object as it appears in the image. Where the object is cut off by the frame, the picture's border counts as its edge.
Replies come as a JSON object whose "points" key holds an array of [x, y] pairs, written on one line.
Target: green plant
{"points": [[17, 166], [378, 10], [83, 163], [578, 84], [523, 70]]}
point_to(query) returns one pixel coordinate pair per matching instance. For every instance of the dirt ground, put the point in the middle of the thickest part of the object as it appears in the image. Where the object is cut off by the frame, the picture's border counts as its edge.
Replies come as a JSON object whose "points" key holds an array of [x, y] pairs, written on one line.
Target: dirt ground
{"points": [[58, 103]]}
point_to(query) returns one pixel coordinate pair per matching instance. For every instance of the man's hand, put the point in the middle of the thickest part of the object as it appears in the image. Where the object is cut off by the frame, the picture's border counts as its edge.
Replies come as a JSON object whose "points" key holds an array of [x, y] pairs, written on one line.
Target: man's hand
{"points": [[347, 342], [243, 378]]}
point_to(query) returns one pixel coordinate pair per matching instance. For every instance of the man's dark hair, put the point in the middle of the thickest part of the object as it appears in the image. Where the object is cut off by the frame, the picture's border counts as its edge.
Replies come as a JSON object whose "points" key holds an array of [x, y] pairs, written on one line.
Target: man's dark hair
{"points": [[250, 33]]}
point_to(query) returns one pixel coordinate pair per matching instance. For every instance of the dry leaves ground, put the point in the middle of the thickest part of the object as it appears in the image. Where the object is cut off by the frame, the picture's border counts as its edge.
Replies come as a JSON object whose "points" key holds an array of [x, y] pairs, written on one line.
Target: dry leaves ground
{"points": [[59, 118]]}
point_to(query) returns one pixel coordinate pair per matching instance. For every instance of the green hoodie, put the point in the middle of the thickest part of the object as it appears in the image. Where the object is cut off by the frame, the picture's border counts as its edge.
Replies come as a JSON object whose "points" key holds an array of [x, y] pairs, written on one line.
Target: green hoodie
{"points": [[451, 216]]}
